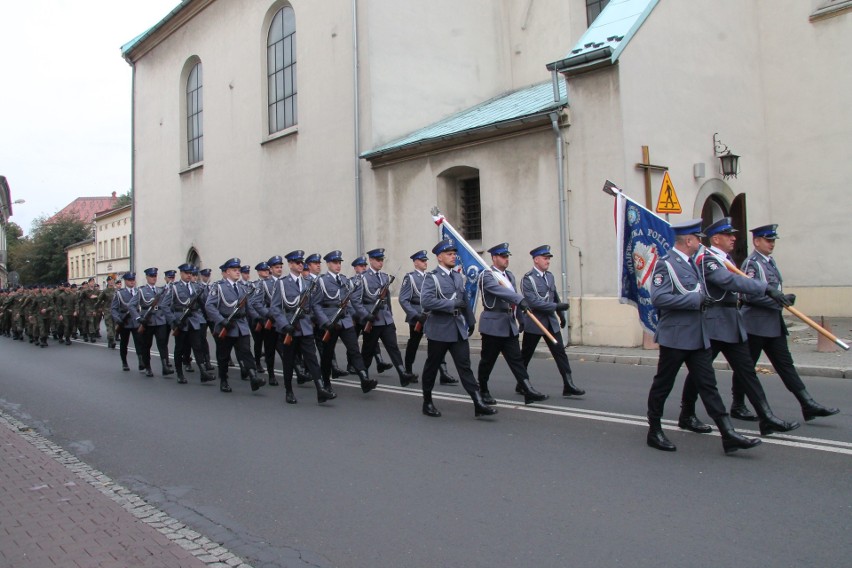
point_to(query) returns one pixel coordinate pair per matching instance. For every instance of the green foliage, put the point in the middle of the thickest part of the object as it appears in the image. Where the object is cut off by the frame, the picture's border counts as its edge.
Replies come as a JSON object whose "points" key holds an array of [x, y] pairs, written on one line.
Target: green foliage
{"points": [[41, 257], [124, 199]]}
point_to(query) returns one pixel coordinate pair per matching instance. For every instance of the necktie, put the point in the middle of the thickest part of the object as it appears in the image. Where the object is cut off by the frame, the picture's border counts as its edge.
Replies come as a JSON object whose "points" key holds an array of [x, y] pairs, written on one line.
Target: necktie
{"points": [[337, 279], [235, 288], [133, 292], [189, 287]]}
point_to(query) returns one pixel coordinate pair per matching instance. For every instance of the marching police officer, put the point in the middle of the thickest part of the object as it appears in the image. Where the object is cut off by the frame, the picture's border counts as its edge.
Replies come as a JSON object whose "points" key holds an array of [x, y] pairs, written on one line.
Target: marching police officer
{"points": [[539, 289], [293, 305], [765, 326], [450, 323], [262, 310], [726, 329], [203, 280], [188, 323], [154, 307], [499, 328], [374, 311], [409, 300], [227, 307], [124, 311], [678, 295], [336, 295], [270, 335]]}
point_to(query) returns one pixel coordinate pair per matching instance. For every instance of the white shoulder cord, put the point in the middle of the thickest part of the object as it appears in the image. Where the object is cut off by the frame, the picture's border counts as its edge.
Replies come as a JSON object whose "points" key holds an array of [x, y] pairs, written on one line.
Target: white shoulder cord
{"points": [[223, 300], [535, 288], [438, 289], [284, 299], [325, 291], [676, 281]]}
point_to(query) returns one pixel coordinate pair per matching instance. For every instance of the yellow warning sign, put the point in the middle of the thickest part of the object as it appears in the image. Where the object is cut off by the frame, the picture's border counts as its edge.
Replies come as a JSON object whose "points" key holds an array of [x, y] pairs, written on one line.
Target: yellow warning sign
{"points": [[668, 203]]}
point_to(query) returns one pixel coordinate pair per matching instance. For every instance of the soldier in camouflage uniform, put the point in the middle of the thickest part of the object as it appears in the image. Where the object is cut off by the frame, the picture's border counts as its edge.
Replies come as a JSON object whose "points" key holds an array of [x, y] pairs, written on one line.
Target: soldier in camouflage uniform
{"points": [[17, 311], [6, 313], [66, 312], [42, 312], [86, 311], [103, 305]]}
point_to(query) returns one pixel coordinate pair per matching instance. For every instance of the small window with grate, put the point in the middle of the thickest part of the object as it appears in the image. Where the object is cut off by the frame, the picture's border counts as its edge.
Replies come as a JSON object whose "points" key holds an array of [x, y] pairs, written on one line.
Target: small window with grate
{"points": [[471, 210], [593, 9]]}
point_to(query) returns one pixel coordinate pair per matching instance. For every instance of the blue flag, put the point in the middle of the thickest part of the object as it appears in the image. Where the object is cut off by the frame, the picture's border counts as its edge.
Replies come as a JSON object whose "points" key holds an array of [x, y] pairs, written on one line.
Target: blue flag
{"points": [[642, 239], [468, 262]]}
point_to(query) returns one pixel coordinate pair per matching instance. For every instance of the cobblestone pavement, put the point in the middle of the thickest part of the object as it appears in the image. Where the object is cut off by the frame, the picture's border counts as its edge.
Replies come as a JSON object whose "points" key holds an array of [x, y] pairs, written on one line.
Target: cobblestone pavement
{"points": [[57, 511]]}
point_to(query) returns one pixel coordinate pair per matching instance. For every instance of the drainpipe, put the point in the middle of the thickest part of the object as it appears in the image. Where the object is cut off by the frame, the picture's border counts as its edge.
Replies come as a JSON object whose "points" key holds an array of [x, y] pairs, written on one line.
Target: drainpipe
{"points": [[132, 244], [359, 235], [563, 247]]}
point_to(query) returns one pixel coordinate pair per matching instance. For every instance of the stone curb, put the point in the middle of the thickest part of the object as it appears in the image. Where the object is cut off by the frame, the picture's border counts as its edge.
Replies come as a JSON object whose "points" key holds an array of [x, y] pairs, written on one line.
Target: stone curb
{"points": [[207, 551]]}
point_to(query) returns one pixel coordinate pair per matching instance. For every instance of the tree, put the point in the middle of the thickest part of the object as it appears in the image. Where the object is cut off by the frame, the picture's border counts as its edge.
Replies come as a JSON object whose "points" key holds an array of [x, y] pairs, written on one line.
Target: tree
{"points": [[124, 199], [41, 258]]}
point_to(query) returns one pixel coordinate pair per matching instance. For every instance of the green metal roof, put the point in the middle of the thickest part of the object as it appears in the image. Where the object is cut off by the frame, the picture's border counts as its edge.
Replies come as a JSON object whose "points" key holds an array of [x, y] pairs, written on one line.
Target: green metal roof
{"points": [[514, 107], [607, 37], [125, 49]]}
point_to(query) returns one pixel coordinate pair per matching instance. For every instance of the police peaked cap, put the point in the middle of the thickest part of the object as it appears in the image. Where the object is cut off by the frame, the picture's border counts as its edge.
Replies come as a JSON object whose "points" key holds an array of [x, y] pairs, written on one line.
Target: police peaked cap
{"points": [[231, 263], [315, 257], [262, 266], [766, 231], [376, 253], [295, 256], [151, 271], [722, 226], [691, 227], [541, 250], [333, 256], [502, 248], [360, 261], [444, 246], [419, 255], [275, 260]]}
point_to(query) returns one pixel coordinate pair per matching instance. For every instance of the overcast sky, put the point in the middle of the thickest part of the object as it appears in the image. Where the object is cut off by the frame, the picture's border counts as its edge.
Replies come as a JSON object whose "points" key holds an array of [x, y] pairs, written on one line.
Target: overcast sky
{"points": [[65, 96]]}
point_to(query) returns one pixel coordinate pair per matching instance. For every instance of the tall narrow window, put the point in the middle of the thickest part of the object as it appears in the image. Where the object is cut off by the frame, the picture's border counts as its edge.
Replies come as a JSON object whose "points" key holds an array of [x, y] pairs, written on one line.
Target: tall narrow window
{"points": [[281, 70], [471, 210], [593, 9], [194, 114]]}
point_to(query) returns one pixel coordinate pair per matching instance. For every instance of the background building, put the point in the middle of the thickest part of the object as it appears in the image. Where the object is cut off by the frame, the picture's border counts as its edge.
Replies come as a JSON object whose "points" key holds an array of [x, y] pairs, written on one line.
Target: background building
{"points": [[81, 261], [509, 116], [5, 213], [113, 238]]}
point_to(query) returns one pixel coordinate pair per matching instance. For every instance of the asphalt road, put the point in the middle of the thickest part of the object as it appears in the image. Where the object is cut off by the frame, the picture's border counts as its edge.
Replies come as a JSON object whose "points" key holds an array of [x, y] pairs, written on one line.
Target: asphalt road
{"points": [[366, 481]]}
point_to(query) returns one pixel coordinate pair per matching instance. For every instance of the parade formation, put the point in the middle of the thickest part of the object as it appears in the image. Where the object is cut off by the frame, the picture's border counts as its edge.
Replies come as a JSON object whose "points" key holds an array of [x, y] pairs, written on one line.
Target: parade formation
{"points": [[299, 312]]}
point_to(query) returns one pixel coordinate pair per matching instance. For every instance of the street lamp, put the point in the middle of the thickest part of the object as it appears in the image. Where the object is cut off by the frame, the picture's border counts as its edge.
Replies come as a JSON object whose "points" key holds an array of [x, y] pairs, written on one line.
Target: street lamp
{"points": [[728, 160]]}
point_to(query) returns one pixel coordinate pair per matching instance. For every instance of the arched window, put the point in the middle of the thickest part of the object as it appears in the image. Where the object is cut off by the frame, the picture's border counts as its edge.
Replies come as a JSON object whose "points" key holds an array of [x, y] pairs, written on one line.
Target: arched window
{"points": [[194, 115], [281, 70]]}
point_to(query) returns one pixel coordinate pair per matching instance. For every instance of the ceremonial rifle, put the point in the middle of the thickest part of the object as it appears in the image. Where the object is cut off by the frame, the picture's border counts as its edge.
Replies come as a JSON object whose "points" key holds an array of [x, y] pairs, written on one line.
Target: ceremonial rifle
{"points": [[146, 316], [380, 297], [300, 310], [185, 313], [338, 315], [227, 321]]}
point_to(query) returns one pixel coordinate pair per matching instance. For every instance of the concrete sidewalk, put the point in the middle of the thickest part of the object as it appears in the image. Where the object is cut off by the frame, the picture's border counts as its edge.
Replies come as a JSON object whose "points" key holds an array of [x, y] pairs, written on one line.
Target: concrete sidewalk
{"points": [[57, 511]]}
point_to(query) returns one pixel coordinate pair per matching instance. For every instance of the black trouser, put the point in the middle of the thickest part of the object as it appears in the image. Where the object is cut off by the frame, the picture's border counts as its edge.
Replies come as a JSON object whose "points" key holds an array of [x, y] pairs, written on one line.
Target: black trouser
{"points": [[387, 333], [700, 365], [530, 342], [257, 341], [151, 332], [306, 348], [271, 338], [124, 338], [741, 364], [240, 344], [435, 353], [414, 338], [492, 347], [185, 341], [778, 352], [353, 354]]}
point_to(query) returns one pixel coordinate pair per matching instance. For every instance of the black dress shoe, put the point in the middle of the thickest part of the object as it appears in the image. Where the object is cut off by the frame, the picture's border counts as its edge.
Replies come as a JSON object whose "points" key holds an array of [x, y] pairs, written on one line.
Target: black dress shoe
{"points": [[483, 410], [125, 367], [487, 398], [256, 383], [290, 398], [741, 412], [693, 424], [448, 380], [570, 389], [657, 439], [224, 386], [382, 367], [149, 373], [430, 410], [770, 424], [181, 380], [67, 342], [337, 372], [189, 368], [207, 377], [260, 368], [273, 382]]}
